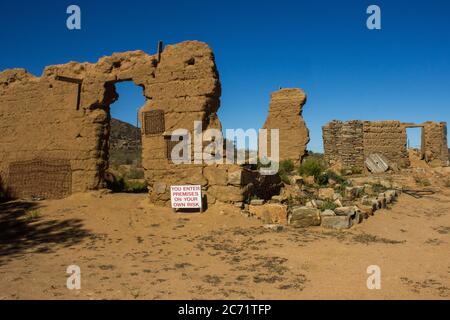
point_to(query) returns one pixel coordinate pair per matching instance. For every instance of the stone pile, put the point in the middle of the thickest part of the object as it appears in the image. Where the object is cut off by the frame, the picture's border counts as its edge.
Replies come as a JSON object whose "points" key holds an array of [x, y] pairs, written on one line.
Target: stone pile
{"points": [[358, 208]]}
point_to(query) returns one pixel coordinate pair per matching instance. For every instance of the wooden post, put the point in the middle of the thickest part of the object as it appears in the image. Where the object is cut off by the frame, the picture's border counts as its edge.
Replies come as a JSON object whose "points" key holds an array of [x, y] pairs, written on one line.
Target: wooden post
{"points": [[160, 50]]}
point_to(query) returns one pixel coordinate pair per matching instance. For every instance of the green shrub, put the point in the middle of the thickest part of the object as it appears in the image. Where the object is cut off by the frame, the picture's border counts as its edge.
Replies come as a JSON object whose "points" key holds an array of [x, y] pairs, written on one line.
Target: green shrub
{"points": [[120, 185], [285, 178], [328, 205], [287, 166], [311, 167], [135, 174], [136, 187]]}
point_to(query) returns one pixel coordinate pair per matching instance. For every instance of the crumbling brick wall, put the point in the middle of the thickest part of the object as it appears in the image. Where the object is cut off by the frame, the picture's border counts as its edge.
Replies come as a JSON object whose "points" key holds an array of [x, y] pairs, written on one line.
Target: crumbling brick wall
{"points": [[46, 120], [435, 143], [344, 143], [64, 116], [350, 143], [387, 138]]}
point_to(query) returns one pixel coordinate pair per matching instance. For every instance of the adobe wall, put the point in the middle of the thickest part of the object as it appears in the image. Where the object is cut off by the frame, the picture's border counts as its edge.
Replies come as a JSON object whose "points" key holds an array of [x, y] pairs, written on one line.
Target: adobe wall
{"points": [[435, 145], [285, 114], [55, 136]]}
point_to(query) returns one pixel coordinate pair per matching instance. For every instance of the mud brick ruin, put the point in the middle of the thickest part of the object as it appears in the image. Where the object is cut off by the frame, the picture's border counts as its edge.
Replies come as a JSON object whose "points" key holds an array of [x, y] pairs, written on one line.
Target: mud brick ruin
{"points": [[55, 128], [350, 143], [285, 114]]}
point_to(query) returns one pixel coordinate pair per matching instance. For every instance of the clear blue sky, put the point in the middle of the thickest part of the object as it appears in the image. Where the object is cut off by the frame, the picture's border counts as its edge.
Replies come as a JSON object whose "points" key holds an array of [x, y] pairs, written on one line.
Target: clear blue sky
{"points": [[349, 72]]}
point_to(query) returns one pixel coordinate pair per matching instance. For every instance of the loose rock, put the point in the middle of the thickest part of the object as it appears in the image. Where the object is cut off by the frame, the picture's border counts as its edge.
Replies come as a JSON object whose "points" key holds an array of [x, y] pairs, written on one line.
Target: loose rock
{"points": [[337, 222], [303, 217]]}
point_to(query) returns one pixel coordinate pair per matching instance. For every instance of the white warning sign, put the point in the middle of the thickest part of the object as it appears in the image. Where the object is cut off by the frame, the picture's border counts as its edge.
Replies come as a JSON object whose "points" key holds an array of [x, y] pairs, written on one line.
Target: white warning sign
{"points": [[186, 197]]}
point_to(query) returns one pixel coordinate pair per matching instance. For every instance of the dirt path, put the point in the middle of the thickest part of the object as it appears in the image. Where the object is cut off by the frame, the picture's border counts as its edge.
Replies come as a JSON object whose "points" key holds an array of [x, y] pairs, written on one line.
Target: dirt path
{"points": [[127, 249]]}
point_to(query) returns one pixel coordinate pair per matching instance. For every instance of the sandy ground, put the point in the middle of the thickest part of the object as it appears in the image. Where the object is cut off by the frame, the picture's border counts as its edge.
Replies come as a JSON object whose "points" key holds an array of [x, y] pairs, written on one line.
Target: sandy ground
{"points": [[127, 249]]}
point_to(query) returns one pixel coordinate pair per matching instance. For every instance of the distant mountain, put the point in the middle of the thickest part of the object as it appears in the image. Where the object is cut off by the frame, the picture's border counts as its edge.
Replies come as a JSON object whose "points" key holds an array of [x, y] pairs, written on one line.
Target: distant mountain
{"points": [[124, 137]]}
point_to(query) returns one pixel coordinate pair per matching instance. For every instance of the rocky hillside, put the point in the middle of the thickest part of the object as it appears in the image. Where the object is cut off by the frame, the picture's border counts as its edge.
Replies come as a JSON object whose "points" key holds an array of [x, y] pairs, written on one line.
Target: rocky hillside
{"points": [[125, 144], [124, 136]]}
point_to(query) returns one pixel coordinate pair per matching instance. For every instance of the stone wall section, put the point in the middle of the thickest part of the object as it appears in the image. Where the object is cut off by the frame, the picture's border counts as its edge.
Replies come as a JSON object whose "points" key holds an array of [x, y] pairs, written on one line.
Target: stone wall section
{"points": [[344, 143], [435, 143], [387, 138], [350, 143], [285, 114]]}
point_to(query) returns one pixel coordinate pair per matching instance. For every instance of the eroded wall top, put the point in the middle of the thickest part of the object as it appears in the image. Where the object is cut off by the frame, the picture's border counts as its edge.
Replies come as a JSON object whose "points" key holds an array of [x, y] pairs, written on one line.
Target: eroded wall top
{"points": [[285, 114]]}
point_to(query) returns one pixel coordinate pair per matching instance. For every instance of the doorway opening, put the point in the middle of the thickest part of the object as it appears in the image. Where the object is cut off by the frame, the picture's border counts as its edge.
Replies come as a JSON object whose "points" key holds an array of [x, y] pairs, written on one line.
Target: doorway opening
{"points": [[414, 136], [125, 171]]}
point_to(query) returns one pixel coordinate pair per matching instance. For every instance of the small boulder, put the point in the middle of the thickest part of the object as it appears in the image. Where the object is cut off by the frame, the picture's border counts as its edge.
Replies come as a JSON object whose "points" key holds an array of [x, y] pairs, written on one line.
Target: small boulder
{"points": [[345, 211], [336, 222], [353, 192], [302, 217], [235, 178], [358, 217], [338, 203], [382, 204], [270, 213], [278, 199], [367, 210], [311, 204], [327, 213], [326, 194]]}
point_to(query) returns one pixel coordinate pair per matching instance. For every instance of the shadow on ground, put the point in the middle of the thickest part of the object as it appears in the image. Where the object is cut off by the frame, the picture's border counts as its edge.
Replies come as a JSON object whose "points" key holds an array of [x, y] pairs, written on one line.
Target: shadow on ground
{"points": [[22, 231]]}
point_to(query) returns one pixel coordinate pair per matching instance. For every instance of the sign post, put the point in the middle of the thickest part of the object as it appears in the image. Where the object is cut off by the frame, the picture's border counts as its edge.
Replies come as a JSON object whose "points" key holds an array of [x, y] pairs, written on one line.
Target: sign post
{"points": [[186, 197]]}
